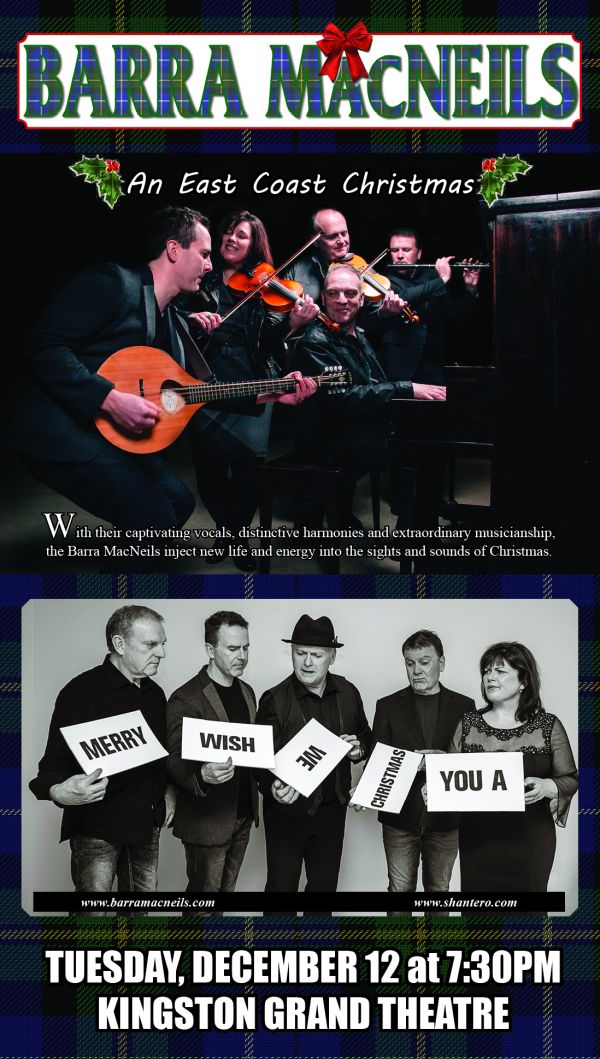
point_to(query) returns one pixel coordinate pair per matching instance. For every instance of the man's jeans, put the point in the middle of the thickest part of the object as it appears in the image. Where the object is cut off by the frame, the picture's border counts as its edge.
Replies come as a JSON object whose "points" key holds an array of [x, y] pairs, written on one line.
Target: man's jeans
{"points": [[95, 863], [404, 849], [215, 869]]}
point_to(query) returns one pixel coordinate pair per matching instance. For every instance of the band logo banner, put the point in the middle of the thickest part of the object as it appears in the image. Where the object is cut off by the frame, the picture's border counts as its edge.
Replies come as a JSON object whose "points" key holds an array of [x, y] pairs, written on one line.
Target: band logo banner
{"points": [[309, 757], [475, 783], [114, 744], [264, 80], [245, 744], [387, 778]]}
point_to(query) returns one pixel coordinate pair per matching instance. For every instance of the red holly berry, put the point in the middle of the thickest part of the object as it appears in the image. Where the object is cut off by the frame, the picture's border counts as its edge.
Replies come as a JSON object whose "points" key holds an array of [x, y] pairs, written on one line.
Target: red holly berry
{"points": [[488, 164], [112, 166]]}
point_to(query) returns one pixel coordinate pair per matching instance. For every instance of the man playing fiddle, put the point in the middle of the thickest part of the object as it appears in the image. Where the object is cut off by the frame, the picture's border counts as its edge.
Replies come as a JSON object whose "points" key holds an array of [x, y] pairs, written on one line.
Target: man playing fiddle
{"points": [[332, 245], [332, 248], [350, 428]]}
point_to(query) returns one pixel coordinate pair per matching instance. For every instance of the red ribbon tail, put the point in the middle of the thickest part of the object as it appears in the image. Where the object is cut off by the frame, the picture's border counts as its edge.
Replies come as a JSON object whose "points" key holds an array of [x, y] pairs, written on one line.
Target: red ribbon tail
{"points": [[331, 66], [356, 65]]}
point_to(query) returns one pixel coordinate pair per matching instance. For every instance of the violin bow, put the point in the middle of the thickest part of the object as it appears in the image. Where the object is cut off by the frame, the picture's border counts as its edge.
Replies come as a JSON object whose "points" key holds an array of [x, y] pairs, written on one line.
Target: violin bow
{"points": [[376, 259], [349, 257], [271, 276], [408, 312]]}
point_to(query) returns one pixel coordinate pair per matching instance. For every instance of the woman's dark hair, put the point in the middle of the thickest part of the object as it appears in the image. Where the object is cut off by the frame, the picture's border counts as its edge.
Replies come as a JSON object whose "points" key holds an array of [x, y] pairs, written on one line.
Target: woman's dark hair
{"points": [[260, 249], [520, 658]]}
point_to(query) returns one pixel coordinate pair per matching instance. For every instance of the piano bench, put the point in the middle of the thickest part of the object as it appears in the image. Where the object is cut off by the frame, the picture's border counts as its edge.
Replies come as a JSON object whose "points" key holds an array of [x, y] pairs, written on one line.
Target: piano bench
{"points": [[285, 473]]}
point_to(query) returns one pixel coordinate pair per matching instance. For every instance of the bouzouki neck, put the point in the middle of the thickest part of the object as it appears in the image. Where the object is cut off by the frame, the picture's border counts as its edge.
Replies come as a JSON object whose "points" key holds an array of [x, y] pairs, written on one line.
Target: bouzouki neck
{"points": [[154, 375], [200, 393]]}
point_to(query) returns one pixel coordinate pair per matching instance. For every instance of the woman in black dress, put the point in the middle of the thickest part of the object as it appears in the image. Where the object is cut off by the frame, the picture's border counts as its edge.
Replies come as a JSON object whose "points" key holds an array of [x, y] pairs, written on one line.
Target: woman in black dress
{"points": [[229, 448], [515, 851]]}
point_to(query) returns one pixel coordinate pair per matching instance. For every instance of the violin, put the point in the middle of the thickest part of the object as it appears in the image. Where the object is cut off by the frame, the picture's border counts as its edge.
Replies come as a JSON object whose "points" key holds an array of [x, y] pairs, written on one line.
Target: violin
{"points": [[374, 286], [263, 276], [279, 294]]}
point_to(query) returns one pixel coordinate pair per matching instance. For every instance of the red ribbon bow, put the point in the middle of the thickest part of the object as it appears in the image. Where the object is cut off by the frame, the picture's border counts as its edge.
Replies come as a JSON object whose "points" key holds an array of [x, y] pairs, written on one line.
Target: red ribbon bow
{"points": [[334, 43]]}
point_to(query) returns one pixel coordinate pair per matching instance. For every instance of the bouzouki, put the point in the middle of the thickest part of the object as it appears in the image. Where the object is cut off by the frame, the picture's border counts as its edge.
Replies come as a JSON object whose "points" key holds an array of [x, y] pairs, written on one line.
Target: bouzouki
{"points": [[154, 375]]}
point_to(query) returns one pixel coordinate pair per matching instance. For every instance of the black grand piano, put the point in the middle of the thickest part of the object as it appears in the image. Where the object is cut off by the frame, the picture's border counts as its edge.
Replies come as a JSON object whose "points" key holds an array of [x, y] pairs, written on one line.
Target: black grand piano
{"points": [[531, 413]]}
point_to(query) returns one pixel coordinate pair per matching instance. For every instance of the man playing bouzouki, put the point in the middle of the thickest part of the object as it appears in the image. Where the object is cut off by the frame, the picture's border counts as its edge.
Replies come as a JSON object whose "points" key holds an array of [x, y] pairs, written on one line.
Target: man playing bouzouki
{"points": [[60, 393]]}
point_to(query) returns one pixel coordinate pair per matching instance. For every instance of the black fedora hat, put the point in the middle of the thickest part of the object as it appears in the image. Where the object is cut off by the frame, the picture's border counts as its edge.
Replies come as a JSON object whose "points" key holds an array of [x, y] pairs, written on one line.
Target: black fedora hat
{"points": [[314, 632]]}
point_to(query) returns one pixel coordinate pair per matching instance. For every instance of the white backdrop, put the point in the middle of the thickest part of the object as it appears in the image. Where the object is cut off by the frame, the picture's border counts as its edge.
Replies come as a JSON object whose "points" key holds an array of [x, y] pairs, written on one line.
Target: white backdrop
{"points": [[62, 638]]}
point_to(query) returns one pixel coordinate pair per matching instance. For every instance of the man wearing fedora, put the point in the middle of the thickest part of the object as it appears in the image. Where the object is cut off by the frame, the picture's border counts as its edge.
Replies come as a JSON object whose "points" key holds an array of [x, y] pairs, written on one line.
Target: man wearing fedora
{"points": [[301, 830]]}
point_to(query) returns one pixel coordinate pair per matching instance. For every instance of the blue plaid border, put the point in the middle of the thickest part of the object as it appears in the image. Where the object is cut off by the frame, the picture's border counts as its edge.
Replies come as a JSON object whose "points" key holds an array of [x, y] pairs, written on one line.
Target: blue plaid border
{"points": [[45, 1021], [42, 1021], [263, 16]]}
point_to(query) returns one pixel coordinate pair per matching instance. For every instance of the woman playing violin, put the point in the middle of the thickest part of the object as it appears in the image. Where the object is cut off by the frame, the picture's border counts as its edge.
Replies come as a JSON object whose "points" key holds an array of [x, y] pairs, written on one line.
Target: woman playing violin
{"points": [[229, 448]]}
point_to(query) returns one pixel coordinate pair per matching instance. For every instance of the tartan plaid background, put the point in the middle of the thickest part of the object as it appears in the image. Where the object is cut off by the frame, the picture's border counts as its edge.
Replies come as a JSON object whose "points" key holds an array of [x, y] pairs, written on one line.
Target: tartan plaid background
{"points": [[553, 1022], [556, 1022], [300, 16]]}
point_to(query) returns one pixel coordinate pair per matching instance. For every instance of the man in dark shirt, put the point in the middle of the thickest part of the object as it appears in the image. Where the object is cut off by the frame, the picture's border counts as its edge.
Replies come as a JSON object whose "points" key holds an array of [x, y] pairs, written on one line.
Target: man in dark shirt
{"points": [[113, 823], [417, 353], [216, 802], [349, 426], [301, 830], [422, 718]]}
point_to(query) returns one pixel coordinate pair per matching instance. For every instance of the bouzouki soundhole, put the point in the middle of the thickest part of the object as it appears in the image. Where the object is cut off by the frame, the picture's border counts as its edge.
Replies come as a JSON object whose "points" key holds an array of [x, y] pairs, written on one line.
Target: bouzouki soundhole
{"points": [[170, 401]]}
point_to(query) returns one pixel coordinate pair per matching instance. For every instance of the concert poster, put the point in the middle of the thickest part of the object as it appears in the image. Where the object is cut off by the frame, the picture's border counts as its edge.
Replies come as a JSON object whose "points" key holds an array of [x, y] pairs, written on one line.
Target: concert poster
{"points": [[480, 131]]}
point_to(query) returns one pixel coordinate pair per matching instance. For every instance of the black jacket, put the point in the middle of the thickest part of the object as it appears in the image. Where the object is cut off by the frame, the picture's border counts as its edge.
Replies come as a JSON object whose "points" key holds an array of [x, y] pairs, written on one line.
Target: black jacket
{"points": [[350, 424], [58, 392], [418, 351], [309, 270], [261, 333], [280, 708], [397, 724], [205, 814]]}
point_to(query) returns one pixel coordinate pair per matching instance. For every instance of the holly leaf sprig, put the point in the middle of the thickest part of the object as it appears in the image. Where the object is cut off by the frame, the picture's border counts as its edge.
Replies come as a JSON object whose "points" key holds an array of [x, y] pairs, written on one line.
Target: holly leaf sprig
{"points": [[104, 173], [496, 172]]}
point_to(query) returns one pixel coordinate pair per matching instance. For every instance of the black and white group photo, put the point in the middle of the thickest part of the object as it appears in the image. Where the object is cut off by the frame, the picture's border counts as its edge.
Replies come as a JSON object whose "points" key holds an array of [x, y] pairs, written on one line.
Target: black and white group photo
{"points": [[300, 745]]}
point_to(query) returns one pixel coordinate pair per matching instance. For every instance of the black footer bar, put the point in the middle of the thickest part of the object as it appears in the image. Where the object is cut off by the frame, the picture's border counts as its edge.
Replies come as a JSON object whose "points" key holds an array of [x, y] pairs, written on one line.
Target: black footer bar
{"points": [[391, 903]]}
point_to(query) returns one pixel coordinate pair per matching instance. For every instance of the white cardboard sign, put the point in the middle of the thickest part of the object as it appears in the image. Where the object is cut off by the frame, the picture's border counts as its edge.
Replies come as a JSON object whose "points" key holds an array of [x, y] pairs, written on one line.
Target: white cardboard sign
{"points": [[387, 778], [309, 757], [245, 744], [265, 69], [475, 783], [114, 744]]}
